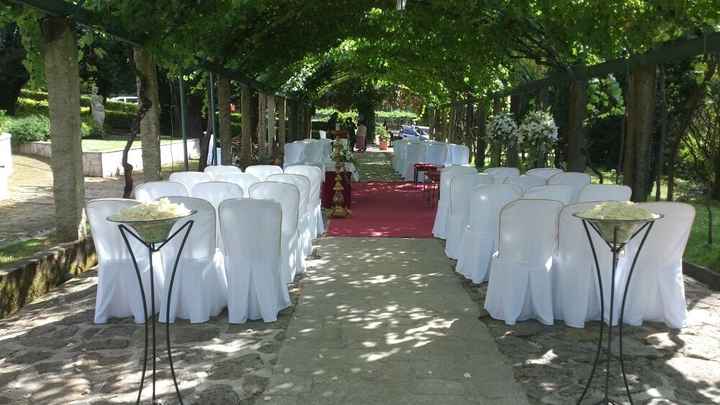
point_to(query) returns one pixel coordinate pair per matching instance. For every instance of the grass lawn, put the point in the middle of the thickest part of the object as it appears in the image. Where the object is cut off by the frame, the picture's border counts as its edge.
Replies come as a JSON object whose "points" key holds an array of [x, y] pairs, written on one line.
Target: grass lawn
{"points": [[107, 145], [24, 249], [698, 251]]}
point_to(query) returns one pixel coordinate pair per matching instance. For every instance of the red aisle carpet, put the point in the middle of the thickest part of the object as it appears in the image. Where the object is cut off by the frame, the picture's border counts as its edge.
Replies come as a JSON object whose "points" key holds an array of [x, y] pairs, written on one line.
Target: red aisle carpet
{"points": [[386, 209]]}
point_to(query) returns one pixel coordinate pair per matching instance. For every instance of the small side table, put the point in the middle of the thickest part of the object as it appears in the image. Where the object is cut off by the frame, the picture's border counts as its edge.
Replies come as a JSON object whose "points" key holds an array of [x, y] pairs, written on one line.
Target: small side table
{"points": [[154, 235], [616, 234], [422, 167]]}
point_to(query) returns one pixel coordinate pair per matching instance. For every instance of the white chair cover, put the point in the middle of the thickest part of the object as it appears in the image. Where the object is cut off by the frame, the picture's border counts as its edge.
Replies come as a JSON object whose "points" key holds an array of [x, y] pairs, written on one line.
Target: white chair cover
{"points": [[189, 179], [525, 182], [315, 174], [460, 154], [575, 180], [262, 172], [436, 153], [479, 240], [215, 192], [441, 214], [244, 180], [544, 172], [415, 154], [305, 213], [558, 192], [254, 229], [216, 170], [605, 192], [460, 190], [657, 290], [502, 171], [154, 190], [575, 288], [288, 196], [520, 285], [314, 152], [118, 293], [200, 287], [294, 153]]}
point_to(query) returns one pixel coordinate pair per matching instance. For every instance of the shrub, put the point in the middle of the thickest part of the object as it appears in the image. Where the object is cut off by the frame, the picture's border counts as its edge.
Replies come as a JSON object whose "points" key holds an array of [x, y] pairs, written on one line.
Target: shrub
{"points": [[26, 129]]}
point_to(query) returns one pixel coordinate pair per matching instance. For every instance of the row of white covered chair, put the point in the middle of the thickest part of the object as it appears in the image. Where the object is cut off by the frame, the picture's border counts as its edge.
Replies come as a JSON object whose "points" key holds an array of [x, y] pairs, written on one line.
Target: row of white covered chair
{"points": [[314, 152], [549, 274], [297, 195], [251, 271], [408, 153]]}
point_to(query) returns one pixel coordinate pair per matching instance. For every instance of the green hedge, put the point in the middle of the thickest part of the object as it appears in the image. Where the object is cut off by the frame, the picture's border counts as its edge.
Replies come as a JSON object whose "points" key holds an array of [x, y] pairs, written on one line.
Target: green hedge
{"points": [[395, 117], [29, 128]]}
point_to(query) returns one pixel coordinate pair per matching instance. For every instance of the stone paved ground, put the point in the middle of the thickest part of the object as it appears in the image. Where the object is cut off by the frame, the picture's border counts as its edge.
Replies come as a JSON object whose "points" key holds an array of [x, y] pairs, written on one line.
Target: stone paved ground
{"points": [[51, 353], [665, 366], [384, 321]]}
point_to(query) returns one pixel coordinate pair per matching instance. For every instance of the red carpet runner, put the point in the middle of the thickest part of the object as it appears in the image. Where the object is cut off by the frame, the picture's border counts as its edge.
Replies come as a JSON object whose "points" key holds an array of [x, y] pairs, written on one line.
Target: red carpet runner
{"points": [[386, 209]]}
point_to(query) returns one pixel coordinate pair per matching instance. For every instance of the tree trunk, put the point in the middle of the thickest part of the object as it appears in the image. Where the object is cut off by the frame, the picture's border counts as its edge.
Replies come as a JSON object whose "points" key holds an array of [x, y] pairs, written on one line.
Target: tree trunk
{"points": [[150, 124], [282, 126], [271, 124], [576, 144], [246, 136], [660, 156], [60, 60], [480, 137], [262, 125], [292, 112], [496, 150], [224, 122], [640, 125]]}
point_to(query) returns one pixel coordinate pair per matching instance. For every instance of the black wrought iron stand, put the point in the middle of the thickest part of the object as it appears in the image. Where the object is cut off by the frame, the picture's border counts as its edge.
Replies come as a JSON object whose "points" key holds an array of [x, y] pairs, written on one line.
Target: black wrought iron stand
{"points": [[616, 246], [154, 247]]}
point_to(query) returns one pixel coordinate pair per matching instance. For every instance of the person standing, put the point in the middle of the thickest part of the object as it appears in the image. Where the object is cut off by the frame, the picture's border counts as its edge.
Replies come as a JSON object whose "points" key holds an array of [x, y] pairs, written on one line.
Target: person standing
{"points": [[350, 128], [361, 137]]}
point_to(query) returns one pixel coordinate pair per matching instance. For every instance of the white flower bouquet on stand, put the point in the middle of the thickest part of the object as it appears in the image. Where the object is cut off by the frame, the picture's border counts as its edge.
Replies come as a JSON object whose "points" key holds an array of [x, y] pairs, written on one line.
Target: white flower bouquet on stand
{"points": [[502, 130], [538, 133], [152, 220]]}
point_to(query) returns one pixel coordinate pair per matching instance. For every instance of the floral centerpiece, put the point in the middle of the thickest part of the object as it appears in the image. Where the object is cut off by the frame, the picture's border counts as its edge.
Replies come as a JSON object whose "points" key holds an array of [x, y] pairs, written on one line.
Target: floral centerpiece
{"points": [[152, 220], [502, 129], [538, 133], [625, 216]]}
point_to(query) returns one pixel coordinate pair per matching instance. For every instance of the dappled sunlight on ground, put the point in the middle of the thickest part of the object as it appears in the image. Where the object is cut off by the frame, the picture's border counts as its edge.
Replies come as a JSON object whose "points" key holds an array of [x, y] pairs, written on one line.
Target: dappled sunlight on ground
{"points": [[385, 321]]}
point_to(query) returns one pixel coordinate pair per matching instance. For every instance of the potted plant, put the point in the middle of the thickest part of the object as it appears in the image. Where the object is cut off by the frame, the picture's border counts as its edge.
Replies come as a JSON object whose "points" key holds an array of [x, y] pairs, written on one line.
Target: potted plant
{"points": [[383, 136]]}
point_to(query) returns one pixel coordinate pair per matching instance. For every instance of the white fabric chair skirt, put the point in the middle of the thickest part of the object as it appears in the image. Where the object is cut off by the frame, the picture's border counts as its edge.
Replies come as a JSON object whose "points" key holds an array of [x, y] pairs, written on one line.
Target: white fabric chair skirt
{"points": [[253, 228], [441, 214], [154, 190], [479, 240], [520, 285], [459, 210], [657, 288], [118, 293], [200, 287]]}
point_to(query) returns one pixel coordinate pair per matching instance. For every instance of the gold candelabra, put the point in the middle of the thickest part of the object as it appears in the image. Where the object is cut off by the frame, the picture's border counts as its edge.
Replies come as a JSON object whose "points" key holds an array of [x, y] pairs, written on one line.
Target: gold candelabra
{"points": [[338, 209]]}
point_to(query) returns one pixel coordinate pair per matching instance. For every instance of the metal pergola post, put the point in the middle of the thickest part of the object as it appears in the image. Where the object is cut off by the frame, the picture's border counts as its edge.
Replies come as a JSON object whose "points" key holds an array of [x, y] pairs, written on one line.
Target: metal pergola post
{"points": [[183, 121], [213, 118]]}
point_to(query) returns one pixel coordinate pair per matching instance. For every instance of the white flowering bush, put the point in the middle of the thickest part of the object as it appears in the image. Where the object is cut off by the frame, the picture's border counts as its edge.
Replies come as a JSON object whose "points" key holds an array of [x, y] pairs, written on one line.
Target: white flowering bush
{"points": [[502, 129], [538, 129], [152, 211]]}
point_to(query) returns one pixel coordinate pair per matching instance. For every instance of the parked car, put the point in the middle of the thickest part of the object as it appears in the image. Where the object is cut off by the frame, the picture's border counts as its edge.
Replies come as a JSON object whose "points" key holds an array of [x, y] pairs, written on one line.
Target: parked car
{"points": [[125, 99], [412, 132]]}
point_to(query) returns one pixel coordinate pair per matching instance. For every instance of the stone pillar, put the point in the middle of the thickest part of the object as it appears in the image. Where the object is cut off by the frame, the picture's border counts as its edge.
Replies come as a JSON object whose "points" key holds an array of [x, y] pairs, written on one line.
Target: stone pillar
{"points": [[60, 60]]}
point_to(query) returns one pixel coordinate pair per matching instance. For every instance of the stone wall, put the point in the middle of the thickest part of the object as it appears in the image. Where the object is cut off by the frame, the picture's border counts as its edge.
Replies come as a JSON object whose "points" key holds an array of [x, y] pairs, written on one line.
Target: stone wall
{"points": [[6, 165], [109, 164], [29, 279]]}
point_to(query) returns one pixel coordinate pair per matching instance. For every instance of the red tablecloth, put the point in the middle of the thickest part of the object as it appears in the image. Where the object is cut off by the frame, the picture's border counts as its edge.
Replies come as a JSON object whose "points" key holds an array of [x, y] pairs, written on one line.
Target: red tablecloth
{"points": [[328, 192]]}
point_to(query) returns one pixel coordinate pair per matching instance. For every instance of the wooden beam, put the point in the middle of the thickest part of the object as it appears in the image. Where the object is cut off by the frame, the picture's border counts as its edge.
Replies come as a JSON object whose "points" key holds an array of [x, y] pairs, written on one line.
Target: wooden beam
{"points": [[665, 53]]}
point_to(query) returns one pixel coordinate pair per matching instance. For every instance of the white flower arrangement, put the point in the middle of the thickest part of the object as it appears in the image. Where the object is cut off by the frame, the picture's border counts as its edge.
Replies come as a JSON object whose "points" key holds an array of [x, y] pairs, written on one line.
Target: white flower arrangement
{"points": [[624, 216], [502, 129], [152, 211], [538, 129]]}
